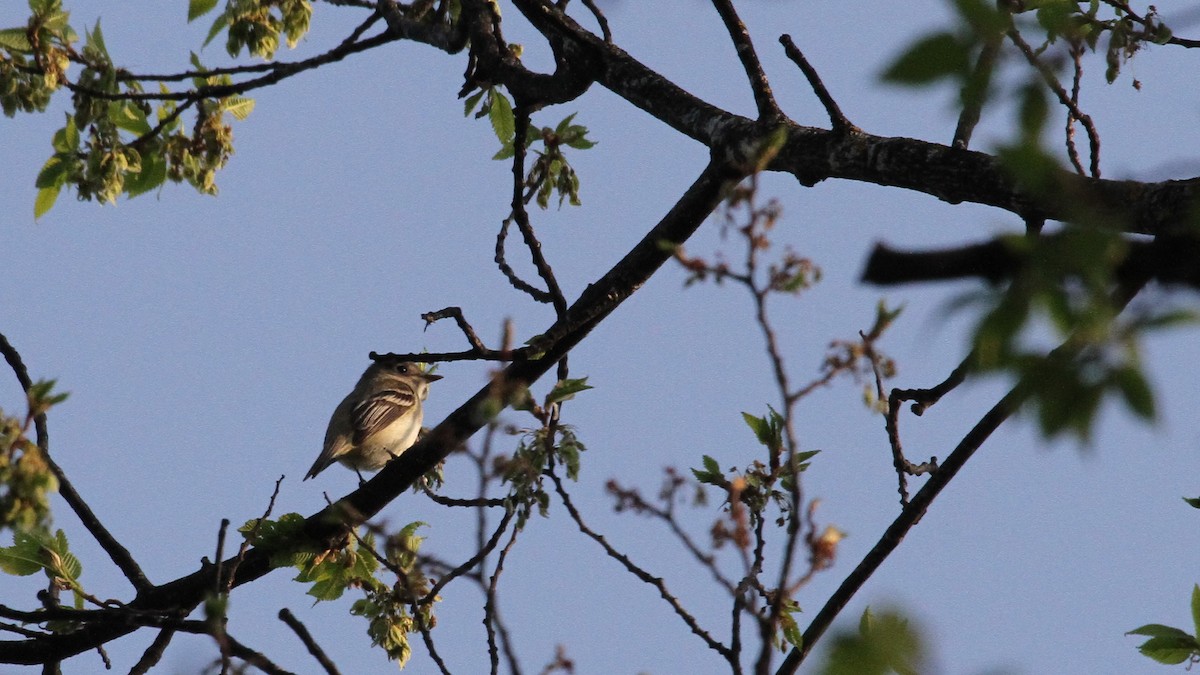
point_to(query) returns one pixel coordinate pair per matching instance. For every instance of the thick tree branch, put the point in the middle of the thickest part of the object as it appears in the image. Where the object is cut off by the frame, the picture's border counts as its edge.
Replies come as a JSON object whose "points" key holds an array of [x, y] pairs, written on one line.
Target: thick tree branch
{"points": [[1168, 260], [813, 155]]}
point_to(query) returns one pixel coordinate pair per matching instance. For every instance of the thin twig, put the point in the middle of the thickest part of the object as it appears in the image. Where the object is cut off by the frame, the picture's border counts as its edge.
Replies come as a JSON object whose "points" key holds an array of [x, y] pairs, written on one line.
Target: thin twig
{"points": [[491, 615], [521, 217], [840, 123], [1052, 82], [604, 30], [764, 100], [456, 313], [975, 92], [254, 658], [476, 559], [250, 536], [637, 571], [286, 616], [911, 514], [116, 552]]}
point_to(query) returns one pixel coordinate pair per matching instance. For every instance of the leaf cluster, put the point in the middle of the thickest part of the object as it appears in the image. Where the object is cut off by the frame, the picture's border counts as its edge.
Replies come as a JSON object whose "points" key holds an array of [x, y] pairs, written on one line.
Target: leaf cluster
{"points": [[1171, 645], [386, 606], [758, 486], [36, 550], [256, 25], [550, 173]]}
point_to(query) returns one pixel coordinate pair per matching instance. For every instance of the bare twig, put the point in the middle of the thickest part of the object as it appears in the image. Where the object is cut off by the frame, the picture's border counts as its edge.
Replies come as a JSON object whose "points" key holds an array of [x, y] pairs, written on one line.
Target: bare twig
{"points": [[521, 217], [638, 572], [1052, 82], [764, 100], [975, 93], [250, 536], [840, 123], [286, 616], [476, 559], [604, 30], [912, 513], [456, 314], [491, 615]]}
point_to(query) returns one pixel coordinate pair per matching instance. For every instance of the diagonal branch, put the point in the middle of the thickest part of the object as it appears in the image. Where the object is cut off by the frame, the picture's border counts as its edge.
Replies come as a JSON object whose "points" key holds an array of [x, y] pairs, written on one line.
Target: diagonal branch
{"points": [[116, 552], [330, 524], [915, 510], [764, 100], [840, 123]]}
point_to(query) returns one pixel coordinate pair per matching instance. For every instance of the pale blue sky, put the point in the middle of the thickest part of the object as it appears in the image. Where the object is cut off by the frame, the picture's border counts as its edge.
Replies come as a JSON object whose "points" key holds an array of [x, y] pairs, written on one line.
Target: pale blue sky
{"points": [[205, 341]]}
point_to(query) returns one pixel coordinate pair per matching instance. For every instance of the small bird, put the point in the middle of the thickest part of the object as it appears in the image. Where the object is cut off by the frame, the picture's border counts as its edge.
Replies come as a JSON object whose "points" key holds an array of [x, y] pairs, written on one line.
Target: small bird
{"points": [[379, 420]]}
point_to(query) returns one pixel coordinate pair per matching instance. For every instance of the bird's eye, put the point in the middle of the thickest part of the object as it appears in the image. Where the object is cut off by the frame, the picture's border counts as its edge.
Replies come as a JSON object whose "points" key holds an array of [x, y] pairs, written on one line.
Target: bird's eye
{"points": [[401, 368]]}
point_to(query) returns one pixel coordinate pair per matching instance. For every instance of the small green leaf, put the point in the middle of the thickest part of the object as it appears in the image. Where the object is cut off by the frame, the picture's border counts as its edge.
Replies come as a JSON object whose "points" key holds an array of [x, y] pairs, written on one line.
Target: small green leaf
{"points": [[128, 116], [472, 101], [1136, 391], [565, 390], [931, 58], [238, 106], [66, 139], [711, 465], [198, 8], [1193, 502], [1170, 650], [52, 174], [1196, 610], [1159, 630], [152, 175], [220, 24], [791, 630], [500, 113], [15, 39], [96, 39], [45, 200]]}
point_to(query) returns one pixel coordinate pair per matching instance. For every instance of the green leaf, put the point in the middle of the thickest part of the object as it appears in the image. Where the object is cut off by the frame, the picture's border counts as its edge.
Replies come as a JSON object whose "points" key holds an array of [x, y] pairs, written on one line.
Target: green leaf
{"points": [[23, 557], [238, 106], [45, 200], [1193, 502], [1196, 610], [930, 59], [791, 630], [1159, 630], [220, 24], [758, 425], [1136, 391], [1170, 650], [472, 101], [15, 39], [128, 116], [500, 113], [66, 140], [53, 173], [711, 465], [152, 175], [96, 39], [198, 8], [565, 390]]}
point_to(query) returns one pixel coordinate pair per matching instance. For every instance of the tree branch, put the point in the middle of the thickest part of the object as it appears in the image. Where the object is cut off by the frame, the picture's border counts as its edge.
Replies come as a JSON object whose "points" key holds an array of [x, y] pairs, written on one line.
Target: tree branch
{"points": [[116, 552]]}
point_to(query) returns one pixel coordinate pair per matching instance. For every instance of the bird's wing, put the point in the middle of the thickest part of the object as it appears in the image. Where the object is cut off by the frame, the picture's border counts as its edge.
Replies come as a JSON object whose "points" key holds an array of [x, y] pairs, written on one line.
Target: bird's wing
{"points": [[337, 441], [380, 410]]}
